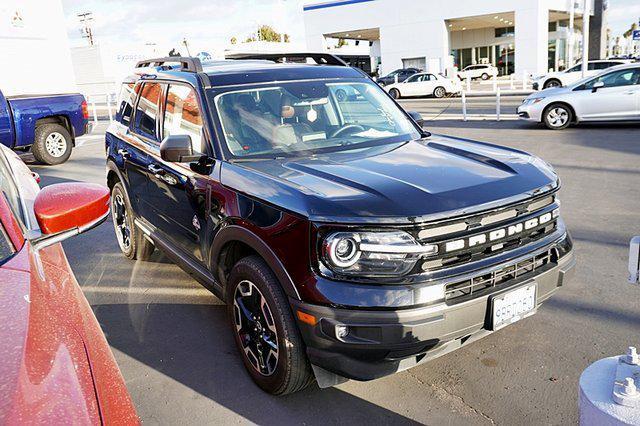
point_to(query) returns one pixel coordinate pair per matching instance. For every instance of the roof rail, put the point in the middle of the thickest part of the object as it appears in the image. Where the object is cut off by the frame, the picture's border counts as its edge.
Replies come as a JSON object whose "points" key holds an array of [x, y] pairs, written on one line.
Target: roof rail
{"points": [[318, 58], [186, 63]]}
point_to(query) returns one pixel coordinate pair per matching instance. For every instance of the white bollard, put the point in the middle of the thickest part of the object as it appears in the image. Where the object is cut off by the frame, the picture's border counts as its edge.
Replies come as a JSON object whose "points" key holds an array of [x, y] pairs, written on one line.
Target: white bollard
{"points": [[464, 106], [524, 80], [634, 260], [469, 84], [109, 109], [95, 112], [396, 78], [511, 82], [495, 83], [498, 104]]}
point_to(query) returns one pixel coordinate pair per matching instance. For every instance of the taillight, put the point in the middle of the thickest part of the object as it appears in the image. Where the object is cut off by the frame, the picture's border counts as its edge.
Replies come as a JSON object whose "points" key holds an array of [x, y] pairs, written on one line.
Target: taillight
{"points": [[85, 110]]}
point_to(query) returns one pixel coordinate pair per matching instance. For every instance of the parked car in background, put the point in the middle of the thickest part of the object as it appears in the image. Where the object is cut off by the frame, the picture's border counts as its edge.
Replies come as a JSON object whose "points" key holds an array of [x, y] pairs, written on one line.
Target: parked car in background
{"points": [[346, 241], [482, 71], [57, 367], [399, 75], [46, 124], [613, 95], [573, 74], [425, 84]]}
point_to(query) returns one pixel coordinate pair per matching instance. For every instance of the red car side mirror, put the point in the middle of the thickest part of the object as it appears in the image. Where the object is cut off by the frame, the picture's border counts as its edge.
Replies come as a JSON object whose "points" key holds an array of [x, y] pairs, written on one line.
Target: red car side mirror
{"points": [[67, 209]]}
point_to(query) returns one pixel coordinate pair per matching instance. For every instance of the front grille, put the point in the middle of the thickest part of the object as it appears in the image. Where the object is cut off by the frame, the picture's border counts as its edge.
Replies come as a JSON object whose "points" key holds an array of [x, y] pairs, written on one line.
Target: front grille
{"points": [[488, 234], [482, 284]]}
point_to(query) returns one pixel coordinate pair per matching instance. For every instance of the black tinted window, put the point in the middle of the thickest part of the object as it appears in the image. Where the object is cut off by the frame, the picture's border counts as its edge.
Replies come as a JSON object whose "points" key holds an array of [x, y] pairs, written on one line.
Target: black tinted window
{"points": [[147, 110]]}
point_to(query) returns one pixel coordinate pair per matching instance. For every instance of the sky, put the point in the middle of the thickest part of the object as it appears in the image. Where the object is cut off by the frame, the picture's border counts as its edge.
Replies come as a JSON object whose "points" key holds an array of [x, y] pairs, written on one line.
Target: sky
{"points": [[209, 25]]}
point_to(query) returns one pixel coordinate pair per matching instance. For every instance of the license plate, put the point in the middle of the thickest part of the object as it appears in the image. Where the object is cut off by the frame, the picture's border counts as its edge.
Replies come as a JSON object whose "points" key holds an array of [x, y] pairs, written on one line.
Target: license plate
{"points": [[513, 306]]}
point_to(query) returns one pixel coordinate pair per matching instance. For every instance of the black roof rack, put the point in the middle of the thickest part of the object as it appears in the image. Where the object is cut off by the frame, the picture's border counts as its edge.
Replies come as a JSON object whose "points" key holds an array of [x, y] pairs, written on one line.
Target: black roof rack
{"points": [[187, 63], [318, 58]]}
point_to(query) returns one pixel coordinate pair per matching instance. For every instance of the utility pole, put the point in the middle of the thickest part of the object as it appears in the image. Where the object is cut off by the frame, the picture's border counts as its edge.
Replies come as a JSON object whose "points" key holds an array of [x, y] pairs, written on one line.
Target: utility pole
{"points": [[86, 31], [586, 14]]}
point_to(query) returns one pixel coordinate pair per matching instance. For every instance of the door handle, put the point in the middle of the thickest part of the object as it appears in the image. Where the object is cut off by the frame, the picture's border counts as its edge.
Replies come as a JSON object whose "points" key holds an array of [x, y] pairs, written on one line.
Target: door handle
{"points": [[157, 171], [630, 92]]}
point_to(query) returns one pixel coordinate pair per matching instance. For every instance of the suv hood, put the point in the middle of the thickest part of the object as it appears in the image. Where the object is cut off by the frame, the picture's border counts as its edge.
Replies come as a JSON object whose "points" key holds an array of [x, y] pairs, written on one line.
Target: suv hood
{"points": [[416, 181]]}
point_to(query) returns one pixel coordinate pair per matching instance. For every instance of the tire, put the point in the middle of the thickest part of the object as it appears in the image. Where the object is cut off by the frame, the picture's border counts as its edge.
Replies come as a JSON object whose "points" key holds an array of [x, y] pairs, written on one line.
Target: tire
{"points": [[557, 116], [52, 144], [485, 76], [395, 93], [131, 240], [281, 372], [439, 92], [552, 82]]}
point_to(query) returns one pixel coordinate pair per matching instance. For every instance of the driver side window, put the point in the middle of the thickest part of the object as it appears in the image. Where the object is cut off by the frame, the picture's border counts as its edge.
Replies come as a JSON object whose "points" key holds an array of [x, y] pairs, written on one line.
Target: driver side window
{"points": [[626, 77]]}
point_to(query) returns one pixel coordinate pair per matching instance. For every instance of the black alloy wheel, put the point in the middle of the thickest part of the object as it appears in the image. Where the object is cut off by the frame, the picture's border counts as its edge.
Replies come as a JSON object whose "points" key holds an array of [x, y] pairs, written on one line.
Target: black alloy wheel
{"points": [[256, 328]]}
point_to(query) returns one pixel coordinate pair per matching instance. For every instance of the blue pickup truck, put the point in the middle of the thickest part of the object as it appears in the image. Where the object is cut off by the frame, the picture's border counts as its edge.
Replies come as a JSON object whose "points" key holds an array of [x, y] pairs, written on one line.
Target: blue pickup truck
{"points": [[46, 124]]}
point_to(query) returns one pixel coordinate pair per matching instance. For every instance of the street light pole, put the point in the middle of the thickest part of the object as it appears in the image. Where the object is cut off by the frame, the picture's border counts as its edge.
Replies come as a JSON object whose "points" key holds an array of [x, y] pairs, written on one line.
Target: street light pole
{"points": [[586, 14]]}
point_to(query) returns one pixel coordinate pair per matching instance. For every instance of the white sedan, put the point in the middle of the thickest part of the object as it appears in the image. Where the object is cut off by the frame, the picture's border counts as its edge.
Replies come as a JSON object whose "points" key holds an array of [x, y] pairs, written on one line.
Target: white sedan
{"points": [[424, 84], [612, 95], [573, 74]]}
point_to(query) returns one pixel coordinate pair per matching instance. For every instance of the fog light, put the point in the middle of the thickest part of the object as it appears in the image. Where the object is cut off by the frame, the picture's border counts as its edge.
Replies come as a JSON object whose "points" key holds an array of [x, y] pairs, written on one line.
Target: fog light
{"points": [[342, 331]]}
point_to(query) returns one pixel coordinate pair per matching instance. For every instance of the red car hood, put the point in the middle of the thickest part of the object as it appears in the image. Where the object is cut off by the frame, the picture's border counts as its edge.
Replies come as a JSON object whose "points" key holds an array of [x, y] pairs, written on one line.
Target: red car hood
{"points": [[46, 373], [56, 364]]}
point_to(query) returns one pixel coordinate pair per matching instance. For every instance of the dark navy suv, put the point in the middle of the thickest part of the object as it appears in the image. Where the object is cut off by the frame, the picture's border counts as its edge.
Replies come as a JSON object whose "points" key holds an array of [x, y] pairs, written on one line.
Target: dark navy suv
{"points": [[347, 242]]}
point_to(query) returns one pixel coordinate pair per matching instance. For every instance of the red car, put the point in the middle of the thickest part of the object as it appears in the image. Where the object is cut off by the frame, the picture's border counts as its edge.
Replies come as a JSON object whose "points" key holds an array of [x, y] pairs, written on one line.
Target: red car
{"points": [[55, 364]]}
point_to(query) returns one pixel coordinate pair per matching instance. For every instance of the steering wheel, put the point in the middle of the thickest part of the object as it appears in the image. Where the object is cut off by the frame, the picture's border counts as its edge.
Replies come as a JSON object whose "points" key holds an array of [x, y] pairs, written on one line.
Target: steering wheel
{"points": [[348, 128]]}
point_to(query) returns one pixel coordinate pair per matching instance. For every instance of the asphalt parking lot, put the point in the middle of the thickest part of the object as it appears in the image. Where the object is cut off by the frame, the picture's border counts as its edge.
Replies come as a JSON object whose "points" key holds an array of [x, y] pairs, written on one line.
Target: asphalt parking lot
{"points": [[177, 355]]}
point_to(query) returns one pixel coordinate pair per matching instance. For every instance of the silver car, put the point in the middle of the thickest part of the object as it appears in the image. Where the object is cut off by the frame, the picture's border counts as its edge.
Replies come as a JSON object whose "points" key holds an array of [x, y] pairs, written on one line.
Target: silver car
{"points": [[612, 95]]}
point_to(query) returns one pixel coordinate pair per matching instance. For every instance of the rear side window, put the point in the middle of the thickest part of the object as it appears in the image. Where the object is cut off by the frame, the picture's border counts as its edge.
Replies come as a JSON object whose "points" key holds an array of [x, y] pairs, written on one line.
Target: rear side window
{"points": [[125, 103], [6, 249], [9, 191], [182, 115], [147, 110]]}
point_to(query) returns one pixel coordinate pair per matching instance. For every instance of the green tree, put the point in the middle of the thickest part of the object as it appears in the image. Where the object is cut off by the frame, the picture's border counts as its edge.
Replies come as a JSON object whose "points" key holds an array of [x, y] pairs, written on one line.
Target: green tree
{"points": [[341, 42], [630, 31], [234, 40]]}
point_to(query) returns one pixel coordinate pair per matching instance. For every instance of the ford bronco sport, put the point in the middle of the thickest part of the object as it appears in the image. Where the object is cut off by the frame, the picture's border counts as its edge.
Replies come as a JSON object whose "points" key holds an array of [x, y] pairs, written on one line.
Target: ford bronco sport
{"points": [[347, 242]]}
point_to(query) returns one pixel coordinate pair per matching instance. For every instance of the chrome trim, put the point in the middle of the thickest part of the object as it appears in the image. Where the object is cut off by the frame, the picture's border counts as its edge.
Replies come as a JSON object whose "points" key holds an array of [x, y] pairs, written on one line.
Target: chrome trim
{"points": [[38, 242], [389, 248]]}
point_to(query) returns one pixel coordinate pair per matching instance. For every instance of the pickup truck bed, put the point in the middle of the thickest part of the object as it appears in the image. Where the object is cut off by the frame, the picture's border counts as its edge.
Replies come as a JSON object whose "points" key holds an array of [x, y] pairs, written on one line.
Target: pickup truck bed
{"points": [[47, 124]]}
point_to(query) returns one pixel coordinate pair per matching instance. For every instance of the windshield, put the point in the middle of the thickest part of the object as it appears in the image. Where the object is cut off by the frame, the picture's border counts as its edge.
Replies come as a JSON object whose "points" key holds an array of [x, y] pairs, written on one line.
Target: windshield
{"points": [[287, 119]]}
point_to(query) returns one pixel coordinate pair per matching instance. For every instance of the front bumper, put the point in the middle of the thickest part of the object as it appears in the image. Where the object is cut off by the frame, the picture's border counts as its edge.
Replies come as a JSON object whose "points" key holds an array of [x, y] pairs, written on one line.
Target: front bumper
{"points": [[382, 342], [530, 112]]}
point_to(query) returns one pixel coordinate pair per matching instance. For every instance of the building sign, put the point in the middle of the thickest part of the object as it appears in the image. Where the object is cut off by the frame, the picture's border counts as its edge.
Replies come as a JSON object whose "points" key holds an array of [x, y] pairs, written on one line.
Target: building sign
{"points": [[17, 21], [636, 34]]}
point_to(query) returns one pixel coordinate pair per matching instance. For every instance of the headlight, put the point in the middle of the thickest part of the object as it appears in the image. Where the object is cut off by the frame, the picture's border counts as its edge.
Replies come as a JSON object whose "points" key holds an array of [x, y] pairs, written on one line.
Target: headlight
{"points": [[532, 101], [389, 253]]}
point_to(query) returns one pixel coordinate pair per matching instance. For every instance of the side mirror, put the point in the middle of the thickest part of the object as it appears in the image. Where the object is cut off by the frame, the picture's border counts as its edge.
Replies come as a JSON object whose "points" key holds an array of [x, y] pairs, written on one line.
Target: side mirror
{"points": [[416, 117], [65, 210], [597, 86], [177, 149]]}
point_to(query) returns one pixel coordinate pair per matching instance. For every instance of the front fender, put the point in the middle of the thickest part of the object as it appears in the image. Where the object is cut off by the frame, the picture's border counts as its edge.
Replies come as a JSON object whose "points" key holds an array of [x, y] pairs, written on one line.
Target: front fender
{"points": [[233, 233]]}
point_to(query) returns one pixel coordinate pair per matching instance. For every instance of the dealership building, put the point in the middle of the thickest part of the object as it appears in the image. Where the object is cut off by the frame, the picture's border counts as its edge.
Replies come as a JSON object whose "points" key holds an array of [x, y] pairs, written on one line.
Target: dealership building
{"points": [[517, 36]]}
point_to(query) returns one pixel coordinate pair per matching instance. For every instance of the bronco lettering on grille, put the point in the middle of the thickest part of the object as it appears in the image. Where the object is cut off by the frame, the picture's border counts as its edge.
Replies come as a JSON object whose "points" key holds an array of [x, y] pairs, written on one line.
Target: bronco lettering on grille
{"points": [[502, 233]]}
